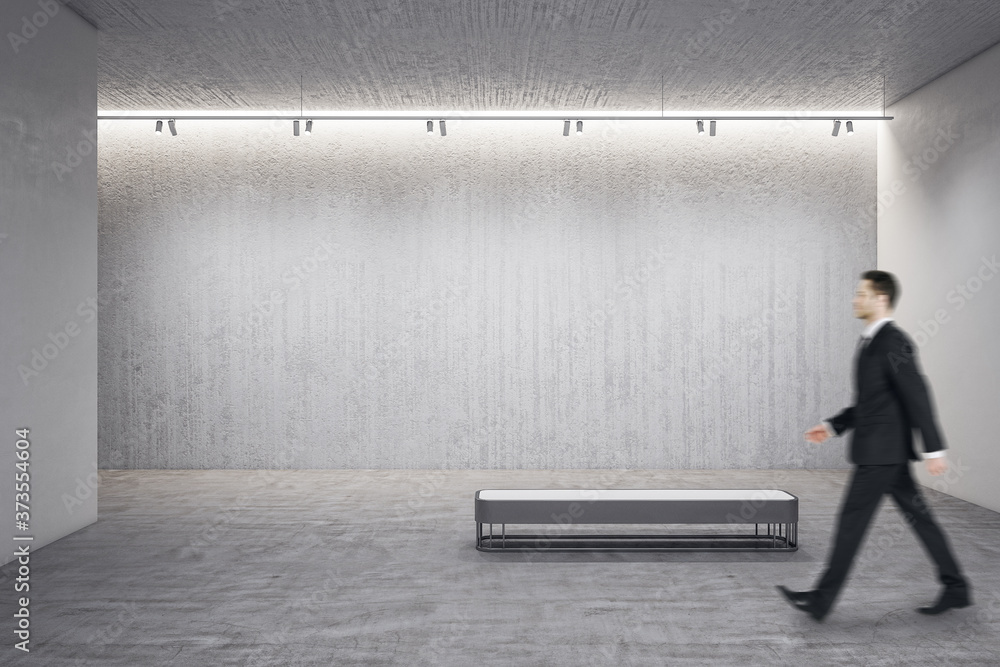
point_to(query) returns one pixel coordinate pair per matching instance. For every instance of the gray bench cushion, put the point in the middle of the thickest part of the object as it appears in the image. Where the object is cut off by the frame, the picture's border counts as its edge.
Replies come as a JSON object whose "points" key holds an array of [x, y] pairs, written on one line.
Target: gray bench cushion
{"points": [[635, 506]]}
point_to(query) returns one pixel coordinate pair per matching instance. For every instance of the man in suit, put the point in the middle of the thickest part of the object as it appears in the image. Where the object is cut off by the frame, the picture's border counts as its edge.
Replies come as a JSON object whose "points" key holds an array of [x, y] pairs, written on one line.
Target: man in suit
{"points": [[891, 399]]}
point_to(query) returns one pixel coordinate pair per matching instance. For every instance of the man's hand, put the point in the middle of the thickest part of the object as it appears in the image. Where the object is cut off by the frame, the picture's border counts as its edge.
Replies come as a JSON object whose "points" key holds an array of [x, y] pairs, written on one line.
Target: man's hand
{"points": [[818, 434], [936, 465]]}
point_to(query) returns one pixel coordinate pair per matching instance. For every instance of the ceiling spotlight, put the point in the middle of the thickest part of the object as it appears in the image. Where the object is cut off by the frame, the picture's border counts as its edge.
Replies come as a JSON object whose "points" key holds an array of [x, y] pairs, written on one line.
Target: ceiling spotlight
{"points": [[701, 127], [711, 128], [309, 127], [430, 127], [836, 127], [444, 132], [173, 127], [295, 127], [159, 127], [565, 128], [579, 127], [850, 128]]}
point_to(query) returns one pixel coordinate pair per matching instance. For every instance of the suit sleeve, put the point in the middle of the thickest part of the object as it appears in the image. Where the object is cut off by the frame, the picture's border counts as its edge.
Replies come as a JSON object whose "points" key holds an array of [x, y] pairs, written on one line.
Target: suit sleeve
{"points": [[907, 382], [842, 421]]}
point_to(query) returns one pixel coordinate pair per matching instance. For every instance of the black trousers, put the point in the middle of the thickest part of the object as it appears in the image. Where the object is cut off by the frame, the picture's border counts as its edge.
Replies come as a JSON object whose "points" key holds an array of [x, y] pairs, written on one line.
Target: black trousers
{"points": [[864, 493]]}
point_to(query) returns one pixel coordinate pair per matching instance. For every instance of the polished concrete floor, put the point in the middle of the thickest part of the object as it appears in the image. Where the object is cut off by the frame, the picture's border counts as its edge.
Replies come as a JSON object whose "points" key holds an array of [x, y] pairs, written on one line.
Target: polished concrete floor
{"points": [[379, 567]]}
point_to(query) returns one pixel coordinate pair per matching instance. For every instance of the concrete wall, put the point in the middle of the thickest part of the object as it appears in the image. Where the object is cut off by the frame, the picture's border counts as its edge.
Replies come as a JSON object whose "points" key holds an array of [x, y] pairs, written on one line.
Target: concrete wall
{"points": [[48, 266], [503, 297], [939, 231]]}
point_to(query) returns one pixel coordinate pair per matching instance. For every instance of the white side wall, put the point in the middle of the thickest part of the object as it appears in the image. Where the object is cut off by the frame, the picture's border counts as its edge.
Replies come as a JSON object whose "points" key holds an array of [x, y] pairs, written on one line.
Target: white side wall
{"points": [[939, 232], [48, 266]]}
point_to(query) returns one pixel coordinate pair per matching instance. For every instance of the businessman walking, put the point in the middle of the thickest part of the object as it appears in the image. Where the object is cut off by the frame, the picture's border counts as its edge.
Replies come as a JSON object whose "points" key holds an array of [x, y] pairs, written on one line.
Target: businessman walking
{"points": [[891, 399]]}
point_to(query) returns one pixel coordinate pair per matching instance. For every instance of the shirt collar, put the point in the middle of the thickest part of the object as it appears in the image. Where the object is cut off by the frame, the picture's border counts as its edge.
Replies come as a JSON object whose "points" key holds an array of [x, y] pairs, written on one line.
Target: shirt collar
{"points": [[873, 328]]}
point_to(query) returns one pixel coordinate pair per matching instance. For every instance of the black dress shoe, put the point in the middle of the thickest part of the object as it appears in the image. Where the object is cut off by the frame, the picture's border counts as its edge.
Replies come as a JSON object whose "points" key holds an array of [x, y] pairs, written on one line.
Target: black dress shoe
{"points": [[805, 601], [950, 599]]}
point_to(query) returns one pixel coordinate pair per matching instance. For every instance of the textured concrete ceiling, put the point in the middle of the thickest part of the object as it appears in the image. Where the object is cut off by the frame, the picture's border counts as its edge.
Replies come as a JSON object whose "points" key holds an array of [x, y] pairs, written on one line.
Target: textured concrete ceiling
{"points": [[529, 54]]}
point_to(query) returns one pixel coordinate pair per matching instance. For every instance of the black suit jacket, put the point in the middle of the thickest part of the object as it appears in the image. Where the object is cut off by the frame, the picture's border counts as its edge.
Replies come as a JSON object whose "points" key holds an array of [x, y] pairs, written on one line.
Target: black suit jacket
{"points": [[891, 398]]}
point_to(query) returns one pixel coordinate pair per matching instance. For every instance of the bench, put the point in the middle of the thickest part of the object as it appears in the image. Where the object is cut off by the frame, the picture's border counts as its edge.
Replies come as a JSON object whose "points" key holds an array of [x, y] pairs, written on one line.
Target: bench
{"points": [[777, 510]]}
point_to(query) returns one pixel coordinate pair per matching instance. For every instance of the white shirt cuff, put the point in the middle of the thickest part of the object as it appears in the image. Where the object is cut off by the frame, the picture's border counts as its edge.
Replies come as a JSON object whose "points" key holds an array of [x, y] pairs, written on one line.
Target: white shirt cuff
{"points": [[934, 455], [829, 429]]}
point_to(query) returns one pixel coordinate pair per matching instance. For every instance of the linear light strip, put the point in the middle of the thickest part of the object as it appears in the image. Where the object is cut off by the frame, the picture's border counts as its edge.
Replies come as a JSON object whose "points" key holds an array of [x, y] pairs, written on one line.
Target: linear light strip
{"points": [[506, 113], [423, 117]]}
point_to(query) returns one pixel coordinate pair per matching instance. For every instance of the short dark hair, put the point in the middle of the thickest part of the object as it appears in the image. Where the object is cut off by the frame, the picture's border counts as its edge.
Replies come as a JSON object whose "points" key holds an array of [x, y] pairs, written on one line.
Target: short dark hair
{"points": [[883, 282]]}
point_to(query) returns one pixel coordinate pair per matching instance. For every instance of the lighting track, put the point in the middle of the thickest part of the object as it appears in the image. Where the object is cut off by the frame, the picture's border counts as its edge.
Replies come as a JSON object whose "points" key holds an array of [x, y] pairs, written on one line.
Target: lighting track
{"points": [[458, 116]]}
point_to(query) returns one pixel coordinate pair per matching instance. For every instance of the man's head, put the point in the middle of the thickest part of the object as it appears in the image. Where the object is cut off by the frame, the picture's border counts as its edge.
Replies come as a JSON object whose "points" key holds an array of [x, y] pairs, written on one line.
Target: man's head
{"points": [[876, 295]]}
